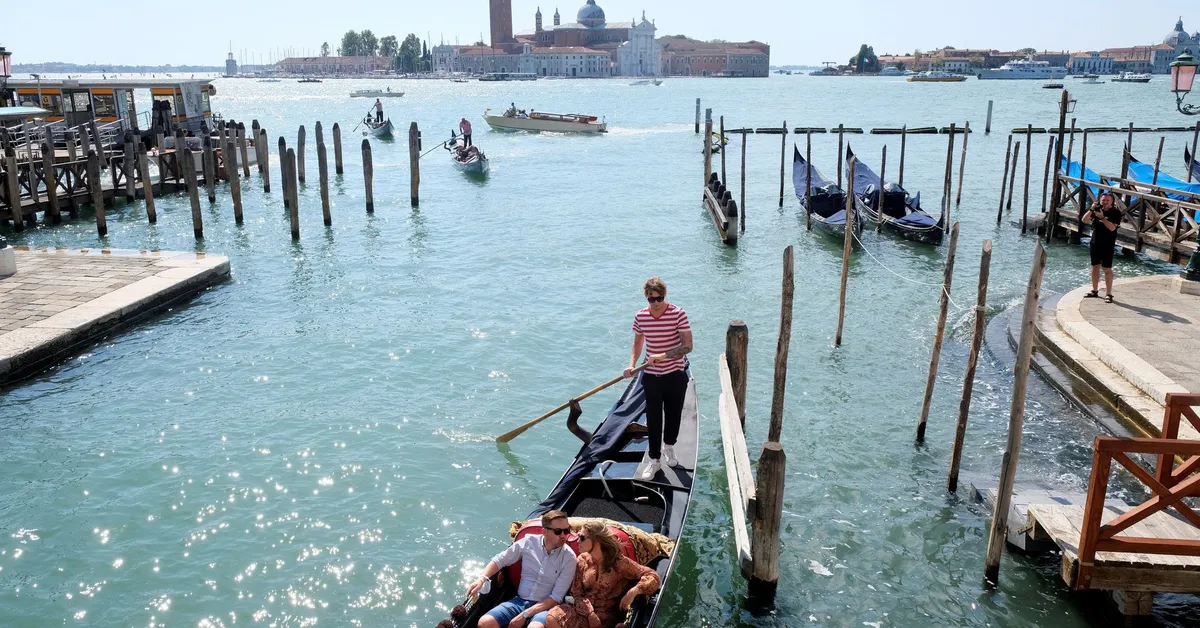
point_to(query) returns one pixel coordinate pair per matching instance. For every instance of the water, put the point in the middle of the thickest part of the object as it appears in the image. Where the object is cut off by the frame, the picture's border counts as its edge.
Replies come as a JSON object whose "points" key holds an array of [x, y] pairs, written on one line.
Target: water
{"points": [[312, 442]]}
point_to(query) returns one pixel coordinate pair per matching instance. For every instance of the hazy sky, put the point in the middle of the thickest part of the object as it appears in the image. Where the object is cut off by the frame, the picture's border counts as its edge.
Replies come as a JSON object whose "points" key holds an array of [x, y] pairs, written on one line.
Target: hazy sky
{"points": [[799, 31]]}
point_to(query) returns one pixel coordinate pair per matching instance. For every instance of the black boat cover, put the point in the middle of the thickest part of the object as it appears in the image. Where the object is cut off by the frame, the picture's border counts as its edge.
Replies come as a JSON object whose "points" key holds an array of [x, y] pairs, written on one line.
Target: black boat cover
{"points": [[896, 201], [1195, 165], [606, 441], [828, 200]]}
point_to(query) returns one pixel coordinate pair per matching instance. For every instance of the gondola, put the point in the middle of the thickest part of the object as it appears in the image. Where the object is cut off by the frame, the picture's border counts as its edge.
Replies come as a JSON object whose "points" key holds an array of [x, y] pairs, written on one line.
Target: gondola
{"points": [[474, 164], [1194, 165], [828, 209], [377, 129], [902, 214], [604, 480]]}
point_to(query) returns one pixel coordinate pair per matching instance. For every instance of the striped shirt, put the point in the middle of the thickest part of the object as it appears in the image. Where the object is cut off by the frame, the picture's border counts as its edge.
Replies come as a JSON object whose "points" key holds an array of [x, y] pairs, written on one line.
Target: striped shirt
{"points": [[662, 334]]}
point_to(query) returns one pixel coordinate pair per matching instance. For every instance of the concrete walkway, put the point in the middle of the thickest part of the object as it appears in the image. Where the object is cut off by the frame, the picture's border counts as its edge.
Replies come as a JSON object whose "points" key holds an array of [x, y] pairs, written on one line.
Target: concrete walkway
{"points": [[1134, 351], [62, 298]]}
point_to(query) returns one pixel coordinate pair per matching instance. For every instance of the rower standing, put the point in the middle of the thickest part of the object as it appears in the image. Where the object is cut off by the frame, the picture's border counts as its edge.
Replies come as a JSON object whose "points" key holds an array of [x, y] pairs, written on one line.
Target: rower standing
{"points": [[664, 330], [464, 127], [378, 111]]}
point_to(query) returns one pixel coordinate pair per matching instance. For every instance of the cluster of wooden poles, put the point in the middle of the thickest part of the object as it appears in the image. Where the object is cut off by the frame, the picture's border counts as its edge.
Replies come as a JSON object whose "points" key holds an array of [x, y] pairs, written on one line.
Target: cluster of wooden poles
{"points": [[218, 162]]}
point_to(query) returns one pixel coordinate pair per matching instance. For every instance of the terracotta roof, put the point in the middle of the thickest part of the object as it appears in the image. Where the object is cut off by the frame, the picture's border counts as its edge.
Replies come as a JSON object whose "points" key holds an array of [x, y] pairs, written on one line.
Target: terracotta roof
{"points": [[567, 50]]}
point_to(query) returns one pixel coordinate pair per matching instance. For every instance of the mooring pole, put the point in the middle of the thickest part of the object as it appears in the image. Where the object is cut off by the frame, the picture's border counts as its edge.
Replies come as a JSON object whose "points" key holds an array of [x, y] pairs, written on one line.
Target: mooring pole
{"points": [[943, 307], [964, 403]]}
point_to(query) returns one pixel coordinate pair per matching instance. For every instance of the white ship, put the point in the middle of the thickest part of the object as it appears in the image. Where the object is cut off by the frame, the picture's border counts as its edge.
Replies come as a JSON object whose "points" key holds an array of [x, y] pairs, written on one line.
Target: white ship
{"points": [[1025, 69]]}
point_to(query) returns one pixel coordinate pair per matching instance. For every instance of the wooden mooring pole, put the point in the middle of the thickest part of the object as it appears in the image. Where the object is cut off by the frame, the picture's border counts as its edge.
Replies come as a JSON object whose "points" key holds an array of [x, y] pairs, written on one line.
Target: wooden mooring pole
{"points": [[255, 131], [147, 188], [283, 173], [782, 160], [243, 149], [235, 180], [707, 149], [323, 173], [987, 127], [808, 181], [368, 174], [772, 462], [737, 341], [14, 187], [300, 136], [337, 149], [697, 115], [1055, 185], [1192, 162], [187, 163], [962, 163], [128, 166], [53, 211], [209, 161], [1012, 180], [264, 160], [93, 173], [879, 196], [1028, 155], [903, 147], [414, 163], [847, 243], [1016, 418], [742, 203], [964, 403], [1045, 183], [935, 357], [292, 189], [1004, 180], [947, 178], [841, 151], [721, 143]]}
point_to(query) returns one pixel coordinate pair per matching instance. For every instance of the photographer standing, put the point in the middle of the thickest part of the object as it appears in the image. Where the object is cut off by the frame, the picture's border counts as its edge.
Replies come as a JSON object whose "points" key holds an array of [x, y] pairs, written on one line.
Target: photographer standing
{"points": [[1104, 240]]}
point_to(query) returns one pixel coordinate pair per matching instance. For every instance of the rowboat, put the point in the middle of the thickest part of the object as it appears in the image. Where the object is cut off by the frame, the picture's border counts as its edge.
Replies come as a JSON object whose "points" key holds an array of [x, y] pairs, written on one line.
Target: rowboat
{"points": [[828, 208], [542, 121], [377, 129], [375, 93], [902, 214], [470, 163], [604, 481]]}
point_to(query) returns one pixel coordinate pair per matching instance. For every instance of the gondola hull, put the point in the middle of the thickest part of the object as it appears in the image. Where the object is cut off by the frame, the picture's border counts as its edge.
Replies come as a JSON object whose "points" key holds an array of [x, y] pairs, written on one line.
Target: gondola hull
{"points": [[383, 130], [925, 234], [604, 480], [828, 201]]}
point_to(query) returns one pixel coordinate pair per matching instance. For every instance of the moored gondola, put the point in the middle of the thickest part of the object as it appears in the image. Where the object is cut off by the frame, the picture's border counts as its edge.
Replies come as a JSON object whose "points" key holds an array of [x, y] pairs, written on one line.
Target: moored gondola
{"points": [[902, 213], [604, 481], [828, 208], [1194, 165]]}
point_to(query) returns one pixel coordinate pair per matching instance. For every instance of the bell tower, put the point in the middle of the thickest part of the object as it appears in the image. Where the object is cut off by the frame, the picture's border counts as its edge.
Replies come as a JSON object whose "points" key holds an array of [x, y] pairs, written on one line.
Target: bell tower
{"points": [[557, 19], [537, 20], [501, 21]]}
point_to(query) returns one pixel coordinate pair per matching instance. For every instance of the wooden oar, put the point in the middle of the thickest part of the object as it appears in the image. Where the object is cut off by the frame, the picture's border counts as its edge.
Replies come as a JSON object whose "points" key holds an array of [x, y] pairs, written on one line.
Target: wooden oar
{"points": [[507, 436]]}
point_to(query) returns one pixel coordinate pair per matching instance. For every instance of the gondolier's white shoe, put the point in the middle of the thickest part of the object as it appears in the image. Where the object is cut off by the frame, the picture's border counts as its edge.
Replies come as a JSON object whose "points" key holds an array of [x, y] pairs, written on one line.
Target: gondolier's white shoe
{"points": [[668, 453], [651, 469]]}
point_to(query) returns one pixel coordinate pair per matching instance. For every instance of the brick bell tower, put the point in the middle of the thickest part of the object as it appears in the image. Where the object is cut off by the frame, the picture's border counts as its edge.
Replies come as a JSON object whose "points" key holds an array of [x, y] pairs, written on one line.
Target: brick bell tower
{"points": [[501, 20]]}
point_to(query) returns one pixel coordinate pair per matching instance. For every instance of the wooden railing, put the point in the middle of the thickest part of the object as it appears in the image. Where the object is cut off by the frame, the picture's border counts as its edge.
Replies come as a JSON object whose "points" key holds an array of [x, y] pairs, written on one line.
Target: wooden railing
{"points": [[1179, 406]]}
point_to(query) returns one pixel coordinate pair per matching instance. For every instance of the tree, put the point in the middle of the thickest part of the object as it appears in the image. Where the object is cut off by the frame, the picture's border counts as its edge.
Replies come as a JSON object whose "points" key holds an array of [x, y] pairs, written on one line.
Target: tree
{"points": [[865, 60], [410, 53], [351, 45], [370, 44], [388, 47], [479, 43], [1028, 51], [325, 49]]}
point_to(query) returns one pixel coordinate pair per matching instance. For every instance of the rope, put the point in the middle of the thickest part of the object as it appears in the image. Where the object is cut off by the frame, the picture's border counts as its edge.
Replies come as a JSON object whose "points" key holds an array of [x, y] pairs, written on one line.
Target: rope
{"points": [[919, 283]]}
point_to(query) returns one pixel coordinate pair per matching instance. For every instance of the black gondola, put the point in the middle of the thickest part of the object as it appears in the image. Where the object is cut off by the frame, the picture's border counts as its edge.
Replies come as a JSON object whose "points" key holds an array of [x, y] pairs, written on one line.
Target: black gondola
{"points": [[604, 480], [1194, 165], [828, 200], [902, 213]]}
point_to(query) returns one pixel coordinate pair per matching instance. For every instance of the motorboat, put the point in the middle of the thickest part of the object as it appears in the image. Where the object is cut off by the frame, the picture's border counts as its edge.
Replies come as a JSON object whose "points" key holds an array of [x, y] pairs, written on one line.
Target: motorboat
{"points": [[518, 120], [1092, 81], [936, 76], [508, 76], [309, 80], [1132, 77], [1025, 68], [891, 71], [1053, 85], [655, 82], [375, 93]]}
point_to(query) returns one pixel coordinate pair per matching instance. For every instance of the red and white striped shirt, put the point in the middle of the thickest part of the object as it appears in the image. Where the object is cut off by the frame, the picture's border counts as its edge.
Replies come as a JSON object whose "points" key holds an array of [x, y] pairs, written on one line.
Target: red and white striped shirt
{"points": [[662, 334]]}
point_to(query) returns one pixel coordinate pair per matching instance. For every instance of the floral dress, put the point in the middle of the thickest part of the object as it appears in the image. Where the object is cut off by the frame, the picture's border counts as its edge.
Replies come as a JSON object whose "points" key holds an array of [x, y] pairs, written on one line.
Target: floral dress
{"points": [[601, 593]]}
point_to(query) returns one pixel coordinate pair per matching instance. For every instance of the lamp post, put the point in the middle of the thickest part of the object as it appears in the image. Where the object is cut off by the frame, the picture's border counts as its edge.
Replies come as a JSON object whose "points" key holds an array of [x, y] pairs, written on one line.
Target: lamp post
{"points": [[5, 72], [1183, 73]]}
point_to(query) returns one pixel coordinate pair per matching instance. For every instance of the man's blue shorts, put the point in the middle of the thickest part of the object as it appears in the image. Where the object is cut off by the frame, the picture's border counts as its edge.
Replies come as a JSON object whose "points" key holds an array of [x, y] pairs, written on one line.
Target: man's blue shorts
{"points": [[507, 611]]}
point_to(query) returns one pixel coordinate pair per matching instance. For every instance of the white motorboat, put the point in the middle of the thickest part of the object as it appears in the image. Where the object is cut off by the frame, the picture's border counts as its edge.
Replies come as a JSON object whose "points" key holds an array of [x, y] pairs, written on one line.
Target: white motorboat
{"points": [[377, 129], [1092, 81], [513, 120], [891, 70], [1132, 77], [465, 159], [936, 76], [508, 76], [1025, 69], [655, 82], [375, 93]]}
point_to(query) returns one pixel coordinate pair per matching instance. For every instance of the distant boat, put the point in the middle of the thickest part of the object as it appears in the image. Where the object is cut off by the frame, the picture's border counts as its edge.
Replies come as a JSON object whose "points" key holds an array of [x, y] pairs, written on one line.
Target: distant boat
{"points": [[647, 82], [1132, 77], [1087, 76], [508, 76], [1053, 85], [891, 71], [459, 80], [1092, 81], [1025, 69], [541, 121], [902, 214], [309, 80], [268, 80], [828, 208], [826, 71], [375, 93], [936, 76]]}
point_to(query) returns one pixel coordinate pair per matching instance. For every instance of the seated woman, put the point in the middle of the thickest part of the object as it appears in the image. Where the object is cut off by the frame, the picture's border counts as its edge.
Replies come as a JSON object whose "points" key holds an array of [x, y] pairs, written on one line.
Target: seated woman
{"points": [[601, 576]]}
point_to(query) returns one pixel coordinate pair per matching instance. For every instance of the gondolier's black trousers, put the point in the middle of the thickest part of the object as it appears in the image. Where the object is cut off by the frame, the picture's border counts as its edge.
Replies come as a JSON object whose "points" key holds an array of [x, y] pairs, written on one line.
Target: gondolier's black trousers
{"points": [[378, 115], [467, 138], [664, 396]]}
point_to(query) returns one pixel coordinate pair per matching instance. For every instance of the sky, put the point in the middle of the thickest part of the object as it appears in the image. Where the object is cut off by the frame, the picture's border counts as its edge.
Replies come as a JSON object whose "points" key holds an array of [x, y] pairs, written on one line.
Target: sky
{"points": [[799, 31]]}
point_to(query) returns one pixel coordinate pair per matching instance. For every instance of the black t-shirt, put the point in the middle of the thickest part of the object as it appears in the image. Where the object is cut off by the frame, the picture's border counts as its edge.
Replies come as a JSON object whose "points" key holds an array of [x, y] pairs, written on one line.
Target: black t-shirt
{"points": [[1101, 235]]}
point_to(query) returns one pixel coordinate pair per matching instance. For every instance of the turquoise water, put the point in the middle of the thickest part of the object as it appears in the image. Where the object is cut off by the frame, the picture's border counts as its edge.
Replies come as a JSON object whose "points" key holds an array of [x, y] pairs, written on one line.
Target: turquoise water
{"points": [[311, 443]]}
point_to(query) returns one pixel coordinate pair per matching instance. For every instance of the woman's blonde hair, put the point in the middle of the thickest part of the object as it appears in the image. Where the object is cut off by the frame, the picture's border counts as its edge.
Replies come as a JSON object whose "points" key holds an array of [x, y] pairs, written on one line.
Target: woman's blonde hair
{"points": [[654, 284], [610, 547]]}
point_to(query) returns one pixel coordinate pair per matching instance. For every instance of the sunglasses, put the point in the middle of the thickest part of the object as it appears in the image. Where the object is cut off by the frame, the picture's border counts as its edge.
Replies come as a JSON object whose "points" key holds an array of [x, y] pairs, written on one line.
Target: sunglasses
{"points": [[656, 299], [559, 531]]}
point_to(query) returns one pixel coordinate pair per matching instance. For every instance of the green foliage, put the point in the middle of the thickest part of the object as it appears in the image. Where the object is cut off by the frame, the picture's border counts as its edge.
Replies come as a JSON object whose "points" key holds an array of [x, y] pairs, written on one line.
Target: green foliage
{"points": [[409, 59], [325, 49], [865, 60], [351, 45], [1028, 51], [370, 44], [389, 46]]}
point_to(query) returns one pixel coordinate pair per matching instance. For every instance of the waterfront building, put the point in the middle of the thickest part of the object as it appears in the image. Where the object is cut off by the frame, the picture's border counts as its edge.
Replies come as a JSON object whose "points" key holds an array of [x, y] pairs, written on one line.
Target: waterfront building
{"points": [[956, 65], [1091, 62], [689, 57], [334, 65], [1155, 59]]}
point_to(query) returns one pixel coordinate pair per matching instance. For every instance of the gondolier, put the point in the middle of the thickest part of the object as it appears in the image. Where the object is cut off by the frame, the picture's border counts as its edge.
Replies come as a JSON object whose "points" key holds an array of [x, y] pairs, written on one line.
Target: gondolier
{"points": [[464, 128], [378, 111], [663, 329]]}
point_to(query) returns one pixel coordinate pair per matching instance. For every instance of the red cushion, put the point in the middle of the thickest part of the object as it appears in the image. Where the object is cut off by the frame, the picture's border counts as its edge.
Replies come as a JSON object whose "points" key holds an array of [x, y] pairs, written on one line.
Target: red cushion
{"points": [[513, 571]]}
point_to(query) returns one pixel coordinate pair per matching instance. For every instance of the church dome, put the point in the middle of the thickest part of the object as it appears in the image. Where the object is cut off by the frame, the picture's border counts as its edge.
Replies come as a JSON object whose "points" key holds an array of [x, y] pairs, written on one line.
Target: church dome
{"points": [[1177, 36], [590, 15]]}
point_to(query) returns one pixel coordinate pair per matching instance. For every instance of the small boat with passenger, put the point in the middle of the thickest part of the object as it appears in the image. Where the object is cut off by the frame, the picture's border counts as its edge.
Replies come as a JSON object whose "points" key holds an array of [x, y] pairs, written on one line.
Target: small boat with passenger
{"points": [[604, 483], [515, 119], [375, 128], [828, 207], [468, 159]]}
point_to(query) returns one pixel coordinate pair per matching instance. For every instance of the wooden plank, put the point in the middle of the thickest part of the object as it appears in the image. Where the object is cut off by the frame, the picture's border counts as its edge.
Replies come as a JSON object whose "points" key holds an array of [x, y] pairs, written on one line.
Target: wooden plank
{"points": [[741, 455], [741, 535]]}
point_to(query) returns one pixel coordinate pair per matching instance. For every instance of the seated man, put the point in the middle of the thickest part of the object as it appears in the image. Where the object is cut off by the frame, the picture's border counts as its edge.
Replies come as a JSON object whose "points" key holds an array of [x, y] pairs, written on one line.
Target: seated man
{"points": [[547, 569]]}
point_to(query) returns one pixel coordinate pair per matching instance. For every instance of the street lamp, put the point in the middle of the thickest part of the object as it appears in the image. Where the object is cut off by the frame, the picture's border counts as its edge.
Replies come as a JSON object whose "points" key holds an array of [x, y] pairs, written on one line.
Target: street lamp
{"points": [[5, 72], [1183, 73]]}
